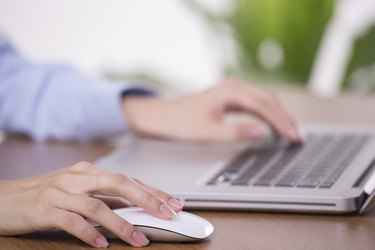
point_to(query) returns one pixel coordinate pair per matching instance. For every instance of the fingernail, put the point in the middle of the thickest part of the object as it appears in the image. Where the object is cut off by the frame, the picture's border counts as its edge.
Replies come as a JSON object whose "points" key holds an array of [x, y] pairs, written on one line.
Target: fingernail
{"points": [[293, 134], [140, 238], [175, 203], [255, 133], [167, 211], [101, 242], [302, 134]]}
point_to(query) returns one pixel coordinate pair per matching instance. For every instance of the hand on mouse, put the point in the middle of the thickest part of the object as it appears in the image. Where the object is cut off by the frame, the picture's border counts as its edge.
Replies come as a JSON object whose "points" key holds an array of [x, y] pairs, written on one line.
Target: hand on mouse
{"points": [[200, 116], [65, 198]]}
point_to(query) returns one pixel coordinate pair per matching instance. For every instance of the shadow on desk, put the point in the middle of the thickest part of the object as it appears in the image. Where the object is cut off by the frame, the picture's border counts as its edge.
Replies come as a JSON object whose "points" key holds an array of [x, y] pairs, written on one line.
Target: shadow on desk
{"points": [[56, 239], [242, 230]]}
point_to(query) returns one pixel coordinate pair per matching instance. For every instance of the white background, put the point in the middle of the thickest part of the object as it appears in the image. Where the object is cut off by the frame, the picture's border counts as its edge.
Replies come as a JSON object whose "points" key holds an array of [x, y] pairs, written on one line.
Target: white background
{"points": [[163, 37]]}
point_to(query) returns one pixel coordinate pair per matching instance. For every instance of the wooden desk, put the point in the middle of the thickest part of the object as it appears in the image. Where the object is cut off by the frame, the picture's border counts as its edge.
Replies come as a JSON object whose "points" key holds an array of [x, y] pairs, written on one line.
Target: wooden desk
{"points": [[233, 230]]}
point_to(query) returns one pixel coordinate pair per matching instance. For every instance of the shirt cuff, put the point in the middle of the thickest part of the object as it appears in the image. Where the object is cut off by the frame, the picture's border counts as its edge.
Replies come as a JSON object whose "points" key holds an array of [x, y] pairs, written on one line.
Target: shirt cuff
{"points": [[109, 101]]}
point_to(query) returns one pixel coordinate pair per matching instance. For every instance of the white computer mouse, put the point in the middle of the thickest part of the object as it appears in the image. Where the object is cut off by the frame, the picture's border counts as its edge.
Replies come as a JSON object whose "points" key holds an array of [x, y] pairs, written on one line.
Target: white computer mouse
{"points": [[185, 227]]}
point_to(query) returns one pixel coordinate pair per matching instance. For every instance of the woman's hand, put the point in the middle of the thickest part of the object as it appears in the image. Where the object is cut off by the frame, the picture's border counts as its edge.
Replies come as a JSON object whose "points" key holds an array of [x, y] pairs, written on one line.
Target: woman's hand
{"points": [[64, 198], [200, 116]]}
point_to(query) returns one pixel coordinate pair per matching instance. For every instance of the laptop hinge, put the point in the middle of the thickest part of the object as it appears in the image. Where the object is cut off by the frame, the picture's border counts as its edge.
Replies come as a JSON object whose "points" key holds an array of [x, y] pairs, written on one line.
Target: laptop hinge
{"points": [[369, 190]]}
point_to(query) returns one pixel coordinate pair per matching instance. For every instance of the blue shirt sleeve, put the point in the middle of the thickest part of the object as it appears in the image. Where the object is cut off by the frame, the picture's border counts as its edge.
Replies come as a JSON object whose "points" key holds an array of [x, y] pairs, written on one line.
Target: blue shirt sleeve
{"points": [[57, 101]]}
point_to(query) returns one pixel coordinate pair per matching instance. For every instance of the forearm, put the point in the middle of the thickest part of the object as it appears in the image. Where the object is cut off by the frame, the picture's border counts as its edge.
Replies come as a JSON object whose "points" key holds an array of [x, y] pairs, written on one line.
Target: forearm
{"points": [[58, 102]]}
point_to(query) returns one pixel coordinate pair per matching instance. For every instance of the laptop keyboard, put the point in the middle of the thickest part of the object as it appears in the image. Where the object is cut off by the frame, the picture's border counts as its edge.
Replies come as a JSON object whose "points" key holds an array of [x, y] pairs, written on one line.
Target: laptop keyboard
{"points": [[318, 163]]}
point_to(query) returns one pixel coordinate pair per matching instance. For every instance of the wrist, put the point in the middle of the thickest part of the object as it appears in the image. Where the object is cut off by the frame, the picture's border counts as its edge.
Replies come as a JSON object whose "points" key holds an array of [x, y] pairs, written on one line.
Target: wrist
{"points": [[143, 113]]}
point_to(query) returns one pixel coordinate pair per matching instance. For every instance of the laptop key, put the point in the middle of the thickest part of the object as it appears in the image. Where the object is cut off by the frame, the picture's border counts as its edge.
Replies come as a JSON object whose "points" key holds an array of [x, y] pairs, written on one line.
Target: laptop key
{"points": [[318, 163], [287, 181], [261, 160], [340, 166], [264, 181], [239, 161], [309, 182], [277, 166], [327, 184]]}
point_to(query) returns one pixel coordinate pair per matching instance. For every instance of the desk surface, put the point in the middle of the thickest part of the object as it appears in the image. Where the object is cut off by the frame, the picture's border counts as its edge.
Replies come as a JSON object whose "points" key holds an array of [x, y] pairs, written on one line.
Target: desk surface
{"points": [[233, 230]]}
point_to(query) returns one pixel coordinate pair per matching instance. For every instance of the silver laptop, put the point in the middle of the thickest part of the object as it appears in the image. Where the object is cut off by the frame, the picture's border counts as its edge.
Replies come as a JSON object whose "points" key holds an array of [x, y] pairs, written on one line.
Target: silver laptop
{"points": [[332, 172]]}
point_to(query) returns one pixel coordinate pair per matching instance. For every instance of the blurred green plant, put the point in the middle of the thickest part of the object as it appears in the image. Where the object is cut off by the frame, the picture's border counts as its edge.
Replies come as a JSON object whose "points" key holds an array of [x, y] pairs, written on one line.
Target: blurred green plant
{"points": [[291, 31], [362, 62], [296, 26]]}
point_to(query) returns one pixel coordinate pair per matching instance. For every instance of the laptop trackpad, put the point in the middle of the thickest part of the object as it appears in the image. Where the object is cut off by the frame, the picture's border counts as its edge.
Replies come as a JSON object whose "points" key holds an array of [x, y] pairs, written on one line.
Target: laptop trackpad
{"points": [[159, 163]]}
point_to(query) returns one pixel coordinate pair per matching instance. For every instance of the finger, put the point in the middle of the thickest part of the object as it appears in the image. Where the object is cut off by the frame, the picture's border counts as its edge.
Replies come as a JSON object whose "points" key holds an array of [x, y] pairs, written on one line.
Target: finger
{"points": [[113, 202], [293, 123], [96, 210], [111, 184], [259, 102], [94, 181], [234, 132], [79, 227], [267, 110], [279, 108], [266, 106], [175, 204]]}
